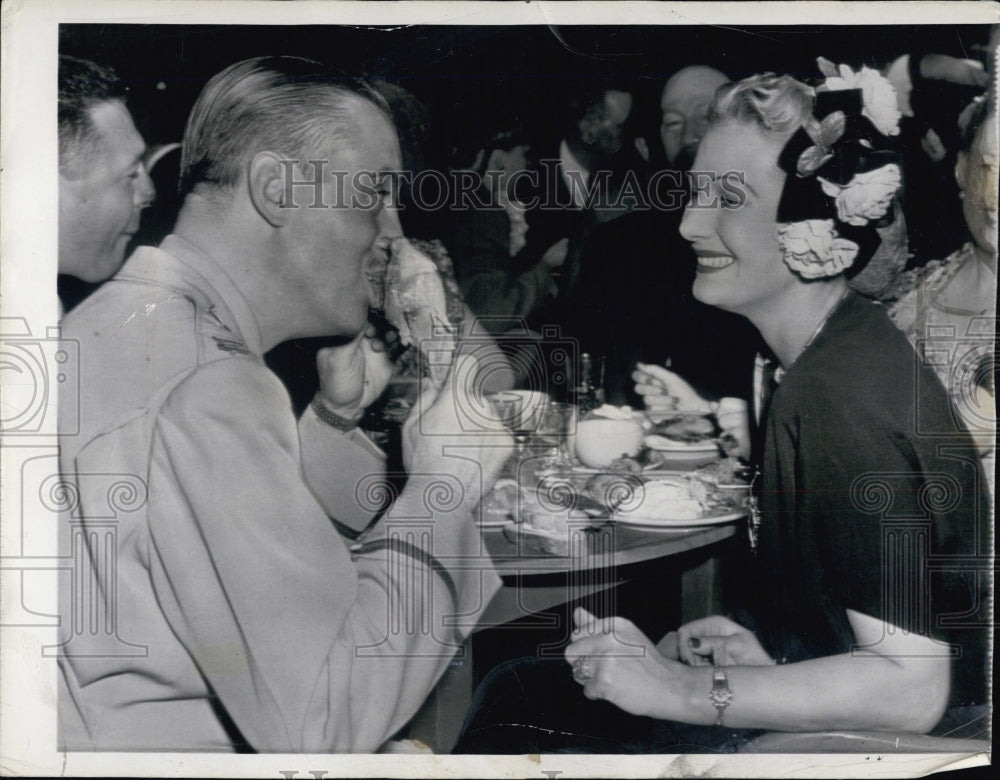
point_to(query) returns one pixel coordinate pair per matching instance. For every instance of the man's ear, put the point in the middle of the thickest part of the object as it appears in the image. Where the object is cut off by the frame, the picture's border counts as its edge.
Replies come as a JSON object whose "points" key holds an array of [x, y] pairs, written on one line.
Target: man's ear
{"points": [[266, 183]]}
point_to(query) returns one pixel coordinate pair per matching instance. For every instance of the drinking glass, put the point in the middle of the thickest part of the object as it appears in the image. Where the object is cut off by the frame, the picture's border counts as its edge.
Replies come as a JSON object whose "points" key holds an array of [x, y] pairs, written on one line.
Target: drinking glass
{"points": [[556, 423], [507, 408]]}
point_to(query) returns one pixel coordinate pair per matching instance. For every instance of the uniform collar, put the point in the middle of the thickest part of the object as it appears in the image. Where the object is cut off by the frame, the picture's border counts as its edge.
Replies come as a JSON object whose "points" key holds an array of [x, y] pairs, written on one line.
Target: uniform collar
{"points": [[195, 269]]}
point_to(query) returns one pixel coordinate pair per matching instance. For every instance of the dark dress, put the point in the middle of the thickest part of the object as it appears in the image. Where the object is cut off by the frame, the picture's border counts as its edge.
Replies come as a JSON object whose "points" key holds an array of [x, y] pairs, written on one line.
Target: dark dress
{"points": [[861, 511], [865, 507]]}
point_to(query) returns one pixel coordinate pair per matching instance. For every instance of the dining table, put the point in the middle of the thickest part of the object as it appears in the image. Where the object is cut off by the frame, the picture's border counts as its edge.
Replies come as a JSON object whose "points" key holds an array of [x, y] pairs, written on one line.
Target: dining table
{"points": [[595, 561], [592, 561]]}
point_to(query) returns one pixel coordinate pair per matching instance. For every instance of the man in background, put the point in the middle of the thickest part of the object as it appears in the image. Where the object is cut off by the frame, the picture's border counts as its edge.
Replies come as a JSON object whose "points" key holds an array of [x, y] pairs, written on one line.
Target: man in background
{"points": [[103, 182], [633, 298], [503, 280], [684, 105], [580, 172]]}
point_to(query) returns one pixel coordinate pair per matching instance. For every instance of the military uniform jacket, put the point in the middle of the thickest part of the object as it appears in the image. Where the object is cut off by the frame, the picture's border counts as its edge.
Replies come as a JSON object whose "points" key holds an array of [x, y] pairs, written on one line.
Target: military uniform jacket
{"points": [[215, 606]]}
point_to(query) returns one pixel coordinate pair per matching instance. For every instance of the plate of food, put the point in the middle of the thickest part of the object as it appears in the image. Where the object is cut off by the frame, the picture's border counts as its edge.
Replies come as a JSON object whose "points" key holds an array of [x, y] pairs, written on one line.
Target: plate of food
{"points": [[664, 444], [727, 474], [678, 502], [499, 506], [553, 518], [682, 432], [683, 457]]}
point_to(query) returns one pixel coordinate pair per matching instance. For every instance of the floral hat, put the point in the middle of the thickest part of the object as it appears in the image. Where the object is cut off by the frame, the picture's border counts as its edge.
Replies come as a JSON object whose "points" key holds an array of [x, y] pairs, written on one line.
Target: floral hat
{"points": [[842, 174]]}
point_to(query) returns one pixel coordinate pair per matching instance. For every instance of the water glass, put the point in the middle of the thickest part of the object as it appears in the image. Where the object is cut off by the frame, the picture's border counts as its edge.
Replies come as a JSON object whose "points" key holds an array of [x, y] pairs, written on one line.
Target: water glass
{"points": [[507, 408], [556, 424]]}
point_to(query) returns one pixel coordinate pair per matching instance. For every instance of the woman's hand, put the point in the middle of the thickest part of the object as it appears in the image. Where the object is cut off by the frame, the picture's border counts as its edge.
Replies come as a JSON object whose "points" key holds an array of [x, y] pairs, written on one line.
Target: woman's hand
{"points": [[353, 375], [734, 422], [625, 668], [663, 390], [718, 641]]}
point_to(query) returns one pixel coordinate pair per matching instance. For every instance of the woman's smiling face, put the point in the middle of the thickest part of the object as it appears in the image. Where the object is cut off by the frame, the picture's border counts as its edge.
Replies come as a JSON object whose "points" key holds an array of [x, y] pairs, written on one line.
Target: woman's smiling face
{"points": [[739, 261]]}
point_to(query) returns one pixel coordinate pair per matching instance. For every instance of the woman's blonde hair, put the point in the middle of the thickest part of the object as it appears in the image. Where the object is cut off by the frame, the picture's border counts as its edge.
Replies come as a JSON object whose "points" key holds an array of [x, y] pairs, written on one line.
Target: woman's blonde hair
{"points": [[780, 105], [777, 104]]}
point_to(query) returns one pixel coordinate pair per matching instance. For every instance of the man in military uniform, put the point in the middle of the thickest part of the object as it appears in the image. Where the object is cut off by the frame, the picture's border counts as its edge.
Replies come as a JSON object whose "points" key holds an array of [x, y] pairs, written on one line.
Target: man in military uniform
{"points": [[244, 620]]}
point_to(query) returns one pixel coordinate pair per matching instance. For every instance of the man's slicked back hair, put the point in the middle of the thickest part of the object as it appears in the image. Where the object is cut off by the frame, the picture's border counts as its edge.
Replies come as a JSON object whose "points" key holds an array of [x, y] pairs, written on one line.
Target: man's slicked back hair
{"points": [[287, 105], [82, 86]]}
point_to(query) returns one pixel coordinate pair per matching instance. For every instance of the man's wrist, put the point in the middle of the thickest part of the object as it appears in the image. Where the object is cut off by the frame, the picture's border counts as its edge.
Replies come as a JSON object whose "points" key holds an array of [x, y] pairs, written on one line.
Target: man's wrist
{"points": [[343, 418], [437, 495]]}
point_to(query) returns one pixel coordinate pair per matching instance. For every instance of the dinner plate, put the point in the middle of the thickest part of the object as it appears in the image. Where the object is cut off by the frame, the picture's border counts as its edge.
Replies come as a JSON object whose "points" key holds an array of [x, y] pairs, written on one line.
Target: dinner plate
{"points": [[672, 414], [669, 524], [486, 519], [688, 461], [663, 444], [493, 523]]}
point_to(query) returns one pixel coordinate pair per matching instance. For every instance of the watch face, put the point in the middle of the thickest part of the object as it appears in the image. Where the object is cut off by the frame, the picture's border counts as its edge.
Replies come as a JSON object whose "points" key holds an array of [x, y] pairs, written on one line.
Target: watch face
{"points": [[721, 692]]}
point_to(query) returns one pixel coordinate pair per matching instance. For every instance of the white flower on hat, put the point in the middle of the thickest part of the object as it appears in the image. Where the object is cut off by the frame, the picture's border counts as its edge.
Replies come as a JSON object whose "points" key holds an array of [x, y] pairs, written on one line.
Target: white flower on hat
{"points": [[866, 196], [877, 94], [813, 250]]}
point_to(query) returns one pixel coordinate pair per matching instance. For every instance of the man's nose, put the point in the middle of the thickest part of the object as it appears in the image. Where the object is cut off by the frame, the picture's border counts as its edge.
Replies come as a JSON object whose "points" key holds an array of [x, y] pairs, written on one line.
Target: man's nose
{"points": [[388, 222], [694, 130], [691, 137]]}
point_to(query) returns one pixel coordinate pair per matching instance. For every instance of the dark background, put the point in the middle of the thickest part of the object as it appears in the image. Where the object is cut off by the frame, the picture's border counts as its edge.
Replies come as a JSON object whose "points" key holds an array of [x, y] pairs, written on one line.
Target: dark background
{"points": [[476, 79]]}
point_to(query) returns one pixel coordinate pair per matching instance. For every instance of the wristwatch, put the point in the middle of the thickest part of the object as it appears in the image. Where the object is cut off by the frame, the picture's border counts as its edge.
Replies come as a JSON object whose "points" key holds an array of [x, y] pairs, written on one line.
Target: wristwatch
{"points": [[721, 693]]}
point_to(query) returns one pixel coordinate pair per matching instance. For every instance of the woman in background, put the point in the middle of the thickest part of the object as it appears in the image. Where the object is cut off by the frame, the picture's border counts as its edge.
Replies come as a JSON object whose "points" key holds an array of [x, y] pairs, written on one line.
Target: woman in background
{"points": [[947, 308]]}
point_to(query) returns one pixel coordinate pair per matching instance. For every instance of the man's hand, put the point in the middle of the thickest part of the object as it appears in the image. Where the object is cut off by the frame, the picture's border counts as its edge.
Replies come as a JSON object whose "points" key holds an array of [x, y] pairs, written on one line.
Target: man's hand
{"points": [[555, 255], [720, 641], [435, 440], [354, 375]]}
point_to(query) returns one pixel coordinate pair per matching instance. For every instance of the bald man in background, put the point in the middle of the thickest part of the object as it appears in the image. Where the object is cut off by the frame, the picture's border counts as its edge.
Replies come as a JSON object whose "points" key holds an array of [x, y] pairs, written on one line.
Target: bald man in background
{"points": [[684, 105]]}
